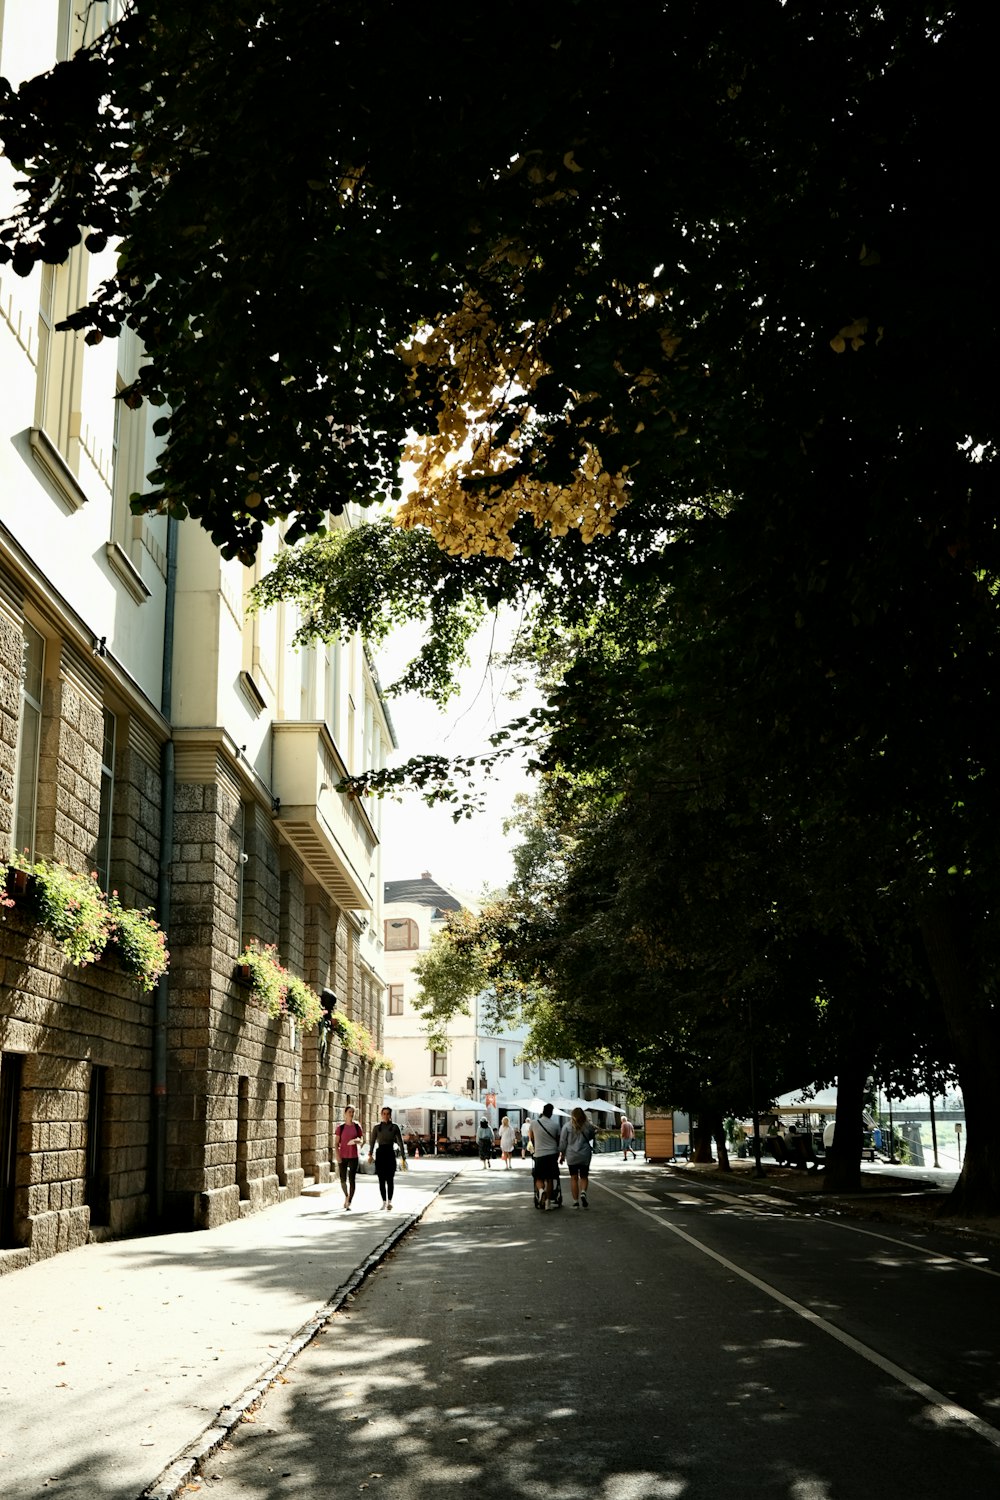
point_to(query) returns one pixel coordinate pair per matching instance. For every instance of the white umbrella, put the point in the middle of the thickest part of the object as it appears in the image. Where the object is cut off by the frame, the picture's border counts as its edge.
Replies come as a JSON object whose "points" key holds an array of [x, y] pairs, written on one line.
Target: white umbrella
{"points": [[433, 1099], [535, 1105], [602, 1106]]}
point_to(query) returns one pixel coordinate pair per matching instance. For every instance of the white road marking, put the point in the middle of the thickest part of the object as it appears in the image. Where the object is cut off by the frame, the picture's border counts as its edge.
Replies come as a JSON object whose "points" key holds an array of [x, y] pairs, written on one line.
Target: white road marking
{"points": [[936, 1257], [948, 1410]]}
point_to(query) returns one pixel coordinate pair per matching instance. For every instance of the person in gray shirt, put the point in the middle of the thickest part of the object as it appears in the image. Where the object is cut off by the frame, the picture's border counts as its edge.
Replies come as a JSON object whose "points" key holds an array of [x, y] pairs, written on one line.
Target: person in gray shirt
{"points": [[576, 1147]]}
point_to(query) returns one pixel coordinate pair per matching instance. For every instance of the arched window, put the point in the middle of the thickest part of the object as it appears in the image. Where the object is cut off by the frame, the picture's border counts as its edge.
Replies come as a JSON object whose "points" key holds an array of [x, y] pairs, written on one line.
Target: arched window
{"points": [[401, 932]]}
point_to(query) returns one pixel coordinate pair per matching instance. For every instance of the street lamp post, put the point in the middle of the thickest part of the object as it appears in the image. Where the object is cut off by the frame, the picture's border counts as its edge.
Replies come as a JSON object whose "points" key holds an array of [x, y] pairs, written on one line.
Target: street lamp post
{"points": [[930, 1097]]}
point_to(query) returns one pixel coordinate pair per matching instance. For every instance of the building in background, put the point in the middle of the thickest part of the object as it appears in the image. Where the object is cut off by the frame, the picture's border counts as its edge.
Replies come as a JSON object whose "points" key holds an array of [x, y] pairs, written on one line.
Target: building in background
{"points": [[481, 1063], [157, 733]]}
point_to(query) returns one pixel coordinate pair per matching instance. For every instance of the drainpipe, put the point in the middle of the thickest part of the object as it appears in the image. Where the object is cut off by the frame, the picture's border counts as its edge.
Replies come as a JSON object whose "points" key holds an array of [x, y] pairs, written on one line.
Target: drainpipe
{"points": [[161, 998]]}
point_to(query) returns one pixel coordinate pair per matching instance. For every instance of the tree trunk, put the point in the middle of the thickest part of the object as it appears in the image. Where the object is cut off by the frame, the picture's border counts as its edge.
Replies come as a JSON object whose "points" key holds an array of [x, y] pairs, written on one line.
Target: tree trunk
{"points": [[721, 1146], [843, 1162], [974, 1028], [711, 1128], [701, 1142]]}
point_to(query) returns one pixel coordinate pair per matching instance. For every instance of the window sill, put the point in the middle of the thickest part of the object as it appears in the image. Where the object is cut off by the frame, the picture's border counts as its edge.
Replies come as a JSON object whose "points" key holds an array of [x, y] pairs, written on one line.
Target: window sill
{"points": [[48, 457], [126, 570], [257, 700]]}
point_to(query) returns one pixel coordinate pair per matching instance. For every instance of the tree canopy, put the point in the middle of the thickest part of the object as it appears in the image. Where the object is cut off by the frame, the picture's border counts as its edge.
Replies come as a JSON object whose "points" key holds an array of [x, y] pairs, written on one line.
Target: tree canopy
{"points": [[588, 284]]}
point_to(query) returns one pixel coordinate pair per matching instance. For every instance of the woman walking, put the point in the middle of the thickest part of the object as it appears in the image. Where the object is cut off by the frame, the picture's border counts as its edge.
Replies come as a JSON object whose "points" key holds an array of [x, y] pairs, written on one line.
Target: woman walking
{"points": [[576, 1147], [508, 1139], [382, 1146], [484, 1140], [346, 1138]]}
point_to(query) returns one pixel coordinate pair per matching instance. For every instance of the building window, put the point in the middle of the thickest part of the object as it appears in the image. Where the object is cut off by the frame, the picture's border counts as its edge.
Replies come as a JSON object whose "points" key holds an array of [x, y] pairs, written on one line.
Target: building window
{"points": [[29, 741], [127, 450], [102, 856], [541, 1072], [59, 391], [501, 1062], [562, 1072], [526, 1069], [401, 933], [439, 1064], [395, 999]]}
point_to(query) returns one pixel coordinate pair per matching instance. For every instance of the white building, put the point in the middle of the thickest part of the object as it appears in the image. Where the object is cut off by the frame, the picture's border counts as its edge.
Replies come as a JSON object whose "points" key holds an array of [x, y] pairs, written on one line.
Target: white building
{"points": [[482, 1063]]}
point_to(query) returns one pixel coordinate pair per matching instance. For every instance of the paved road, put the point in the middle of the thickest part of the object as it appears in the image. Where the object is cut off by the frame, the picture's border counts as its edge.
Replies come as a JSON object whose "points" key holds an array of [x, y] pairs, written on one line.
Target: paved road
{"points": [[670, 1342]]}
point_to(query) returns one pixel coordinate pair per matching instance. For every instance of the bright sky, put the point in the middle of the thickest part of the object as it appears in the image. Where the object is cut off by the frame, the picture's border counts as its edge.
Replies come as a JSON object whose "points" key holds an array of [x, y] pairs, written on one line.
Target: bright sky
{"points": [[473, 854]]}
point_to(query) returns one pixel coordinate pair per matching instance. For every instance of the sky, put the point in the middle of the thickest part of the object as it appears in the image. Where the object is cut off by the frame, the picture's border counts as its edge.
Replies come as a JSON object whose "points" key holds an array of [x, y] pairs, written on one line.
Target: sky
{"points": [[473, 854]]}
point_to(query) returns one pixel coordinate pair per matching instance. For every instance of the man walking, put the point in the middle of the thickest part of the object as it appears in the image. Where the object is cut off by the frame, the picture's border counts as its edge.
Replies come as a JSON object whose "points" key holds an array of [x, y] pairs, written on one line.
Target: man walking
{"points": [[545, 1141], [628, 1137]]}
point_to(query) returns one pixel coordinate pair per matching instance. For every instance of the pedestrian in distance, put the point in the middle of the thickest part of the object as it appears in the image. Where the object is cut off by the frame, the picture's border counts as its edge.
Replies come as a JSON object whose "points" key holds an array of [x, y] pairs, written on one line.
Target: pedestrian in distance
{"points": [[576, 1147], [628, 1137], [385, 1139], [544, 1134], [508, 1139], [346, 1139], [484, 1140], [525, 1138]]}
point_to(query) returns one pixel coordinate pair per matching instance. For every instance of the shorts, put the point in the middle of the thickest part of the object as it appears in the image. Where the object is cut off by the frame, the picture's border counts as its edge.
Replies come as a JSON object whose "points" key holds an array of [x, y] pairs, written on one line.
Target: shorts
{"points": [[546, 1168], [574, 1168]]}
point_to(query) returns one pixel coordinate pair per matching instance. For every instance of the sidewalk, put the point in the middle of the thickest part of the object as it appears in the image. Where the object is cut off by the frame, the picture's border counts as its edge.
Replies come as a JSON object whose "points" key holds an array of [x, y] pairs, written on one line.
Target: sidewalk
{"points": [[121, 1362]]}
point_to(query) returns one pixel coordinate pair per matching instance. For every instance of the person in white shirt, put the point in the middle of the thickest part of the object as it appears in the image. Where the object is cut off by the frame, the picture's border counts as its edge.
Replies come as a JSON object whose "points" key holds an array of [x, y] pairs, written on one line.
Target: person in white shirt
{"points": [[545, 1141], [507, 1138]]}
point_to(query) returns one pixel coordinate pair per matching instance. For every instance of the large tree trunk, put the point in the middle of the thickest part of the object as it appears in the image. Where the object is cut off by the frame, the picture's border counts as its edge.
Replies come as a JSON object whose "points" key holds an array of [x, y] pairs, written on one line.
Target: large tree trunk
{"points": [[843, 1163], [701, 1141], [974, 1028], [710, 1128], [721, 1145]]}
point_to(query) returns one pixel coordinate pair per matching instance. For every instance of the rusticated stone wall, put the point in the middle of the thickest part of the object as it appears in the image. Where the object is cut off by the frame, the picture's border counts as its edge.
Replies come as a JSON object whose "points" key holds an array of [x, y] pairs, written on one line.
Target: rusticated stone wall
{"points": [[68, 1022], [234, 1073]]}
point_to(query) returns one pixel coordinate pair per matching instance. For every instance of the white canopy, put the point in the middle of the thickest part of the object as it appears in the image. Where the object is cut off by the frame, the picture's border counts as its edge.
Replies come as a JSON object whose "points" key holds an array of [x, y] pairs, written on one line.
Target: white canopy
{"points": [[535, 1105], [432, 1099]]}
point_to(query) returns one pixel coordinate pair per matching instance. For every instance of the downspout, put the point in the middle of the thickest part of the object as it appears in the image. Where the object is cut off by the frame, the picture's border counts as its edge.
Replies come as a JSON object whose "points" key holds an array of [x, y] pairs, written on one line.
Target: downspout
{"points": [[161, 999]]}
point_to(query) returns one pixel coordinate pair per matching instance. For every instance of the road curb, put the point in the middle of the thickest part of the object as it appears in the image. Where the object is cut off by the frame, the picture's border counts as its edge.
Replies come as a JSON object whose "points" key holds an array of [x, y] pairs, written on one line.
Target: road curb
{"points": [[186, 1466]]}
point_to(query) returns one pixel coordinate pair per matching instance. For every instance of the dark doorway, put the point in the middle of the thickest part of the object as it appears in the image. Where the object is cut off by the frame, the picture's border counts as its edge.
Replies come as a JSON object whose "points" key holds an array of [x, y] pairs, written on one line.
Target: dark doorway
{"points": [[11, 1064], [98, 1195]]}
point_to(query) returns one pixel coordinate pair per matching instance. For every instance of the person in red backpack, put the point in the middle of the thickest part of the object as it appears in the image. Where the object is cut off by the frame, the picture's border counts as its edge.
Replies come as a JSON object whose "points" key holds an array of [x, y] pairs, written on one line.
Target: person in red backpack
{"points": [[346, 1138]]}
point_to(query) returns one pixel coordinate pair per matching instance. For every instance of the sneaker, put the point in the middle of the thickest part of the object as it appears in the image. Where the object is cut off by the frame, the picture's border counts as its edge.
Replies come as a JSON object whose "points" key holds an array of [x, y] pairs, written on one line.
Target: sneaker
{"points": [[575, 1204], [583, 1200], [389, 1207]]}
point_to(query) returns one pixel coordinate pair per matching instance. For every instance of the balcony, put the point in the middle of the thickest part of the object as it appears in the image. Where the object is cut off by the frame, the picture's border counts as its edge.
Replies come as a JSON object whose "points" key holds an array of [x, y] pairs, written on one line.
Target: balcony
{"points": [[331, 833]]}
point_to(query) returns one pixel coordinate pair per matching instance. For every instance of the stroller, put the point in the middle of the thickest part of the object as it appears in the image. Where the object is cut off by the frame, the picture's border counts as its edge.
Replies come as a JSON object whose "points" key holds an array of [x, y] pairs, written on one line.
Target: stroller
{"points": [[556, 1197]]}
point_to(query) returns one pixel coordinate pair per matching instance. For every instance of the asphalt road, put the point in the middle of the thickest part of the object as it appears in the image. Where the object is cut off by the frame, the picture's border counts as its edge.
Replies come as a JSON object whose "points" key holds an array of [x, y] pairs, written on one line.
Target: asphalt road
{"points": [[669, 1342]]}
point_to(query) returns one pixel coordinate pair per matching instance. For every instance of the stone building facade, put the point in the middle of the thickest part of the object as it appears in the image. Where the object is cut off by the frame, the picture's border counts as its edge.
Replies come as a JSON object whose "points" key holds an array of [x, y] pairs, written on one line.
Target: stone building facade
{"points": [[156, 731]]}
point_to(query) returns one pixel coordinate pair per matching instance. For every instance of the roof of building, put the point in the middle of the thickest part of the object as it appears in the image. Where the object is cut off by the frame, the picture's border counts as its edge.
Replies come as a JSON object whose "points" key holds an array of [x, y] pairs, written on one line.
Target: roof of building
{"points": [[425, 891]]}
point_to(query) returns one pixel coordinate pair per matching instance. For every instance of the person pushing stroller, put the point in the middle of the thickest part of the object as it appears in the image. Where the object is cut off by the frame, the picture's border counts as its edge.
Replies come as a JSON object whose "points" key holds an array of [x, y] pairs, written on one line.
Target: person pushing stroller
{"points": [[544, 1133]]}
